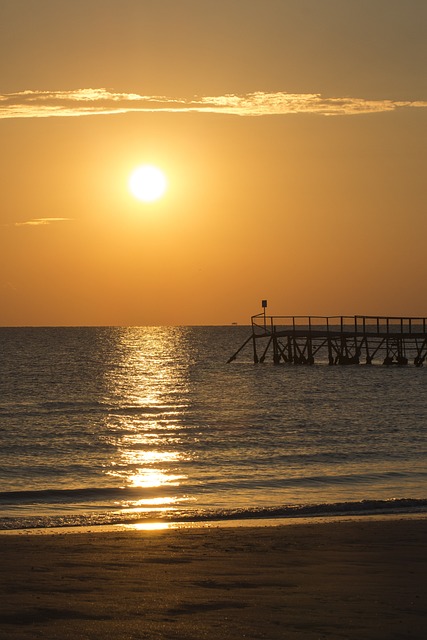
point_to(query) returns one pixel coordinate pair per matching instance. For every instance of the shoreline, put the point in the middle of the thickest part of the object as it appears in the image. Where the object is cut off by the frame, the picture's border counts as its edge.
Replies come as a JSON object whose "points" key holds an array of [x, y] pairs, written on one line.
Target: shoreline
{"points": [[214, 524], [349, 579]]}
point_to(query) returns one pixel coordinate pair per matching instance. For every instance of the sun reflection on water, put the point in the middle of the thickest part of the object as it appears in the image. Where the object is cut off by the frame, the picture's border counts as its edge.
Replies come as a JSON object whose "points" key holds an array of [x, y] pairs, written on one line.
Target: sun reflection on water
{"points": [[149, 390], [154, 505], [137, 458], [154, 478], [149, 374], [149, 526]]}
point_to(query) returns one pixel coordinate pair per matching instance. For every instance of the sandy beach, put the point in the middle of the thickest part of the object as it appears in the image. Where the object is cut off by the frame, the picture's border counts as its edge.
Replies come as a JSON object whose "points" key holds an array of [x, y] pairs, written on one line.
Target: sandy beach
{"points": [[360, 579]]}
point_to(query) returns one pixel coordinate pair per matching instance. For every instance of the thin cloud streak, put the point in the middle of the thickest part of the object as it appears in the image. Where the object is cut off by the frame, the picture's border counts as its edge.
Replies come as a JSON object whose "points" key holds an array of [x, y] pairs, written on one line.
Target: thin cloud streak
{"points": [[86, 102], [37, 222]]}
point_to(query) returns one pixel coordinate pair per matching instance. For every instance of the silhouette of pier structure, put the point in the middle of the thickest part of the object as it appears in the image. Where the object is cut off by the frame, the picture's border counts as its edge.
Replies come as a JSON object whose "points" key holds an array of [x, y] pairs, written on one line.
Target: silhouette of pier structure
{"points": [[337, 340]]}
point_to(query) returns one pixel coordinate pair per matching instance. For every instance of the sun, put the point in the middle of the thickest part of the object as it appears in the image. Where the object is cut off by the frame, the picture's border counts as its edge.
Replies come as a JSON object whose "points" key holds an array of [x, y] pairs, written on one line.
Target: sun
{"points": [[147, 183]]}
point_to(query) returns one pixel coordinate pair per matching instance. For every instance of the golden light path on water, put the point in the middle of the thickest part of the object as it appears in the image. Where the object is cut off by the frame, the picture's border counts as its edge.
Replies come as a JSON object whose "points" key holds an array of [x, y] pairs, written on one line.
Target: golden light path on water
{"points": [[151, 388], [149, 526]]}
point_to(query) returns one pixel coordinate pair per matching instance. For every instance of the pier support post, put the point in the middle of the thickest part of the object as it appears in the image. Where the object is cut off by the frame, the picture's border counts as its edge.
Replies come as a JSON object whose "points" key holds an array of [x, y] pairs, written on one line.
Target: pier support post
{"points": [[276, 352], [254, 348], [330, 352], [289, 348]]}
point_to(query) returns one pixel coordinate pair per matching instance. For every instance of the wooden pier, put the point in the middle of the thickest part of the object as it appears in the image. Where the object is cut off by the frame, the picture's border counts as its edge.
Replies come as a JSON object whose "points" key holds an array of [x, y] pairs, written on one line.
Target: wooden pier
{"points": [[337, 340]]}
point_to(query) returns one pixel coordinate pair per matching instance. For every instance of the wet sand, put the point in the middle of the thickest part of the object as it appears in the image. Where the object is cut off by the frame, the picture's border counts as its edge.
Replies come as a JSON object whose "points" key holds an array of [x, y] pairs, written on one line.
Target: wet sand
{"points": [[360, 579]]}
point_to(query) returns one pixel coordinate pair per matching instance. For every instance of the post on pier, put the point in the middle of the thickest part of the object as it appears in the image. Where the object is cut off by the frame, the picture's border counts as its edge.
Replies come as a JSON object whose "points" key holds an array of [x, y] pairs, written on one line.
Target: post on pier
{"points": [[264, 307]]}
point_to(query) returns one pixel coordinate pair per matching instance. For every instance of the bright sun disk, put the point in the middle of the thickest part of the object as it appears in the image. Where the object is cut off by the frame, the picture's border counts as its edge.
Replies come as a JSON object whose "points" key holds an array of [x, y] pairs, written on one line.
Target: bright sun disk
{"points": [[147, 183]]}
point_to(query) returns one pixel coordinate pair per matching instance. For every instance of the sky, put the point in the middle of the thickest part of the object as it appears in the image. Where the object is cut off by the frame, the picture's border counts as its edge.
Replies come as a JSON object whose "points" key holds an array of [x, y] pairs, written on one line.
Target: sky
{"points": [[293, 137]]}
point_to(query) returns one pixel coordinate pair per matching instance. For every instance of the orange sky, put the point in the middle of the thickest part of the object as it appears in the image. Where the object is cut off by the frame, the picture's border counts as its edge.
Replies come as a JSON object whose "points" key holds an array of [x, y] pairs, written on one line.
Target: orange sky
{"points": [[293, 135]]}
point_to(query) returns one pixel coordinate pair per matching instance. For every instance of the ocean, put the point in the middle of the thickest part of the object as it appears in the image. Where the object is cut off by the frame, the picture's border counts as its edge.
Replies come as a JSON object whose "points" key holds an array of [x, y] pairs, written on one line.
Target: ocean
{"points": [[150, 424]]}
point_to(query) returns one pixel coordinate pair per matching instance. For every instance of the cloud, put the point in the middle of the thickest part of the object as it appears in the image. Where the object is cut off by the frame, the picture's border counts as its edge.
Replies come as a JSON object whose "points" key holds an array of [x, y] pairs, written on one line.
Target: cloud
{"points": [[85, 102], [37, 222]]}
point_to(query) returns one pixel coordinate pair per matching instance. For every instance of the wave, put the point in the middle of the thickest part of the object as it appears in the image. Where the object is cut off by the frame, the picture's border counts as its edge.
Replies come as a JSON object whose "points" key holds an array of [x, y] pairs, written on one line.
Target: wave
{"points": [[396, 506], [361, 507], [87, 408], [109, 495], [72, 496]]}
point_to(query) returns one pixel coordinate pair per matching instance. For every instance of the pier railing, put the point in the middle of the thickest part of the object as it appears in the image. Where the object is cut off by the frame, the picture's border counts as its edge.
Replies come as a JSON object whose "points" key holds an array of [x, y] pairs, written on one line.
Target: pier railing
{"points": [[338, 339], [356, 325]]}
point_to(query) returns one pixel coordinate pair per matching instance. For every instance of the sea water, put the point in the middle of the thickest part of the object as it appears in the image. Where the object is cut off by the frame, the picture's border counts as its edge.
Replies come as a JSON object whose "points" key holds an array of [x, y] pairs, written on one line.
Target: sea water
{"points": [[118, 425]]}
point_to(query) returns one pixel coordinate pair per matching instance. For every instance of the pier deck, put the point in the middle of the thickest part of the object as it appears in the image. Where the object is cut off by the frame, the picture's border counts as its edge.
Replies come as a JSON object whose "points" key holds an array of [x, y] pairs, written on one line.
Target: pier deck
{"points": [[340, 340]]}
